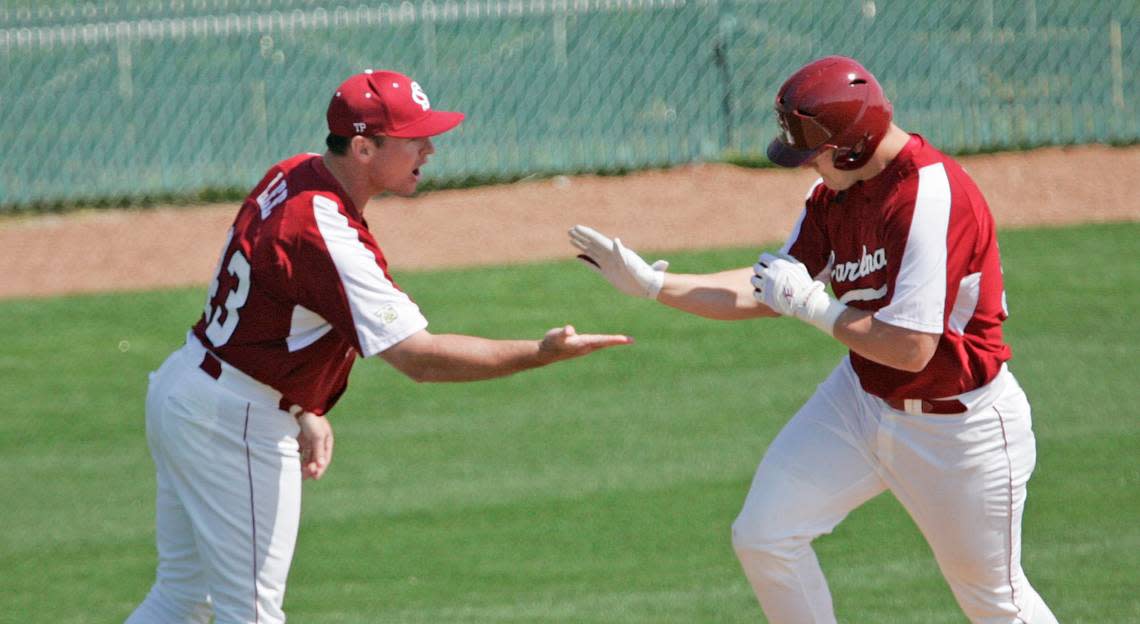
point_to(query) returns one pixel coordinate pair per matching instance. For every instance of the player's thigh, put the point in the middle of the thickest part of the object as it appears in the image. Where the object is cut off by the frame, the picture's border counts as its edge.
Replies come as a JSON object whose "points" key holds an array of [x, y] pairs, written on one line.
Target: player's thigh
{"points": [[965, 485], [266, 549], [180, 576], [180, 570], [817, 469], [239, 479]]}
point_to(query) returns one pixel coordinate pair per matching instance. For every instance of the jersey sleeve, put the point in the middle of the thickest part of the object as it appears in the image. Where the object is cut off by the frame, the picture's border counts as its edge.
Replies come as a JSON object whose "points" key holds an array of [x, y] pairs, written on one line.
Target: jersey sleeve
{"points": [[919, 294], [345, 282], [808, 241]]}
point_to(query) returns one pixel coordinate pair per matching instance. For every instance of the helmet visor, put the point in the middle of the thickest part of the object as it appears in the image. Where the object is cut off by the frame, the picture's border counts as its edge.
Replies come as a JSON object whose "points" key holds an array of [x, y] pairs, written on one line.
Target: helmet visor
{"points": [[801, 137]]}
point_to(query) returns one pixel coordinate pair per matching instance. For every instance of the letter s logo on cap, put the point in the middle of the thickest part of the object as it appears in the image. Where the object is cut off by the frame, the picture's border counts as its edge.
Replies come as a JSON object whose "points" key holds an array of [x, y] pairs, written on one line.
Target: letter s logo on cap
{"points": [[419, 97]]}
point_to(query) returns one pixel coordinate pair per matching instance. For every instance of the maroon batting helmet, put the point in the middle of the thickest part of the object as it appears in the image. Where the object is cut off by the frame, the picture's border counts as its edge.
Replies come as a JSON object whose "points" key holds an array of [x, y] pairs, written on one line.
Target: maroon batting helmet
{"points": [[831, 102]]}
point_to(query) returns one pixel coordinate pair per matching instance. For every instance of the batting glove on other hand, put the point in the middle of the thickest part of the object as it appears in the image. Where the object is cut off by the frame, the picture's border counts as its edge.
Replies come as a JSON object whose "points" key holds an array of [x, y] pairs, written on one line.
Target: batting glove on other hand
{"points": [[618, 264], [783, 284]]}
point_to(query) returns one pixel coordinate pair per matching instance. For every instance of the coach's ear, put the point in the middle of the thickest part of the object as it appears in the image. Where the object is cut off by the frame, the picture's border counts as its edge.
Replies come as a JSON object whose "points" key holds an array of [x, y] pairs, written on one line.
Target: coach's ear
{"points": [[361, 148]]}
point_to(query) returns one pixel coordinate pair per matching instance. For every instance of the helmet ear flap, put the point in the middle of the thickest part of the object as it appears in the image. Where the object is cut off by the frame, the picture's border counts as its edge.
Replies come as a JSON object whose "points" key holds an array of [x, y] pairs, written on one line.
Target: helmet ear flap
{"points": [[845, 157]]}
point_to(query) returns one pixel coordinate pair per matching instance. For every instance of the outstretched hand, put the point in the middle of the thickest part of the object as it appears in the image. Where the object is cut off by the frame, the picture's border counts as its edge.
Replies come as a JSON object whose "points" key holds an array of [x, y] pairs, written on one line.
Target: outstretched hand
{"points": [[620, 265], [562, 343], [316, 442]]}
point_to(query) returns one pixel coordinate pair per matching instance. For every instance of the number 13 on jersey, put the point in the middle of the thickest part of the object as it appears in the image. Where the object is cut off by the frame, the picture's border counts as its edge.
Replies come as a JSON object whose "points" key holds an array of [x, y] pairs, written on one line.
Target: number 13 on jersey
{"points": [[222, 309]]}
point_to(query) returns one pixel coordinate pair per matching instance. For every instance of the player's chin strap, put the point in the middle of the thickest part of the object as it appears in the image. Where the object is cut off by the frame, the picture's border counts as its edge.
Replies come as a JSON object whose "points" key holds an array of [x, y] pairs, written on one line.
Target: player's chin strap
{"points": [[782, 283]]}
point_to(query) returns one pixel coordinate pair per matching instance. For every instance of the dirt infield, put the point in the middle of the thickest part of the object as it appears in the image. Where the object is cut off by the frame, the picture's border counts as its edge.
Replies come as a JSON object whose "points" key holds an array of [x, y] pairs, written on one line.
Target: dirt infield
{"points": [[696, 206]]}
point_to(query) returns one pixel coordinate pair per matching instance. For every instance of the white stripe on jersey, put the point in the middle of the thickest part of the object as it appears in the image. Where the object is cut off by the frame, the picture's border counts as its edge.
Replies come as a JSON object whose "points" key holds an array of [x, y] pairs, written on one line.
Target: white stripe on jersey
{"points": [[863, 294], [382, 314], [305, 328], [919, 299], [795, 233], [799, 222], [969, 291]]}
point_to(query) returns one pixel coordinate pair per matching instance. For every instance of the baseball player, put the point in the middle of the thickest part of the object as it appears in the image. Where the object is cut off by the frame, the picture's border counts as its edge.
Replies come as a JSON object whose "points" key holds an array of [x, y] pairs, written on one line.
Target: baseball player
{"points": [[236, 418], [924, 405]]}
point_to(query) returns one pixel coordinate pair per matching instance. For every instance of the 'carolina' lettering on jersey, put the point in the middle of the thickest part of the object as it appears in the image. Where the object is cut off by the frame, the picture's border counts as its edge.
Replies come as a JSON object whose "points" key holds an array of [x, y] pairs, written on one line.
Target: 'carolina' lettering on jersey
{"points": [[868, 263]]}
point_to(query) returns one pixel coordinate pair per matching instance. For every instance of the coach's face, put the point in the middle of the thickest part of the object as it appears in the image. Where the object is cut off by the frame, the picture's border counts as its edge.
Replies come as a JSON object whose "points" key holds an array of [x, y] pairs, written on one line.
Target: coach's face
{"points": [[834, 179], [395, 167]]}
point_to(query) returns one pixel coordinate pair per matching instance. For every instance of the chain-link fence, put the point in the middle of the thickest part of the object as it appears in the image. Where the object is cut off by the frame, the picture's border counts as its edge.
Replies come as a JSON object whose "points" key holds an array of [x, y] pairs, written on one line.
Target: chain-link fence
{"points": [[136, 98]]}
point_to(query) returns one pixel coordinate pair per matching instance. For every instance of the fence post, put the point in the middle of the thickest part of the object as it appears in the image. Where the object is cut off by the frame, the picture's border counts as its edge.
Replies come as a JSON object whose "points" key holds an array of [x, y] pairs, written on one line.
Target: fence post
{"points": [[126, 82], [725, 25], [1116, 49], [559, 38]]}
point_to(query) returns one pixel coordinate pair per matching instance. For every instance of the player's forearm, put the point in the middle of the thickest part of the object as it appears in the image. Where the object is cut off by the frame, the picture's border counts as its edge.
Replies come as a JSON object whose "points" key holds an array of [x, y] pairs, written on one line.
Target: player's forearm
{"points": [[456, 357], [886, 344], [784, 285], [723, 296]]}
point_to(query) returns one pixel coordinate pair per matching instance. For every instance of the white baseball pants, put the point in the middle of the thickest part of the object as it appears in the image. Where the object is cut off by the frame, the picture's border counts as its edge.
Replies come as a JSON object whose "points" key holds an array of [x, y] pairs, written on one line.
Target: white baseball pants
{"points": [[229, 495], [962, 478]]}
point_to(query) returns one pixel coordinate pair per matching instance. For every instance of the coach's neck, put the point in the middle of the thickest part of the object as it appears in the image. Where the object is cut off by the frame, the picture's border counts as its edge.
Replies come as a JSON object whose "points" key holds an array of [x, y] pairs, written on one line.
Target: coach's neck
{"points": [[352, 177]]}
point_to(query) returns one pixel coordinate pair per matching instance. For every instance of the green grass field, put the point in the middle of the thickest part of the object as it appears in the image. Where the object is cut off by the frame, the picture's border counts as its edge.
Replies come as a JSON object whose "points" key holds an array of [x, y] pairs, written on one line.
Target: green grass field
{"points": [[599, 490]]}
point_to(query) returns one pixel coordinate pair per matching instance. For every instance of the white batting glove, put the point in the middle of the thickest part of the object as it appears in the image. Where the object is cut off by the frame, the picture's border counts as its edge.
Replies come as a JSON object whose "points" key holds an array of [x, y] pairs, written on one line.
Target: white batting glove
{"points": [[618, 264], [783, 284]]}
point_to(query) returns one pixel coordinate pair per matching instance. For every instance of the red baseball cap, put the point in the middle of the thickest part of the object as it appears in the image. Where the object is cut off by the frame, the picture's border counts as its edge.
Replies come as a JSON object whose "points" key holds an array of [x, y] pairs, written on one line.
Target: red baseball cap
{"points": [[388, 103]]}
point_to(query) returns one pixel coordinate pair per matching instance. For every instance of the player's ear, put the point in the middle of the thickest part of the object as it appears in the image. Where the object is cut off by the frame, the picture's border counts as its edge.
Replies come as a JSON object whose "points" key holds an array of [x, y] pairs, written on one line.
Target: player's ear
{"points": [[360, 147]]}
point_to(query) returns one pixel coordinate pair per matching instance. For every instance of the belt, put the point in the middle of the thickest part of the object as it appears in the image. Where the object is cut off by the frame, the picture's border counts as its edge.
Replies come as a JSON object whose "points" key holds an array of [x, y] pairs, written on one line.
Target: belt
{"points": [[211, 365], [241, 383], [927, 406]]}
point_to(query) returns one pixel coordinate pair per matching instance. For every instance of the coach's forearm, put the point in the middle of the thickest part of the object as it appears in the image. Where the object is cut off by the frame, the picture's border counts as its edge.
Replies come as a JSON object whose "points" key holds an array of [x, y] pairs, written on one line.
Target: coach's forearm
{"points": [[456, 357], [887, 344], [725, 296]]}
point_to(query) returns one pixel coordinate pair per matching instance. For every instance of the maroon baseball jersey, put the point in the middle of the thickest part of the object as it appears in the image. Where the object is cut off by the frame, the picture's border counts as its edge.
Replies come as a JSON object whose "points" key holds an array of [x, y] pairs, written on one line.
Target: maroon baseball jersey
{"points": [[915, 245], [302, 288]]}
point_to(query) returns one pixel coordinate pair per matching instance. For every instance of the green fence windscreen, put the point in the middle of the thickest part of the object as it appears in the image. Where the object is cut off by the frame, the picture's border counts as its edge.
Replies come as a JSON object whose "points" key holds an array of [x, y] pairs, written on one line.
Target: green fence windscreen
{"points": [[133, 98]]}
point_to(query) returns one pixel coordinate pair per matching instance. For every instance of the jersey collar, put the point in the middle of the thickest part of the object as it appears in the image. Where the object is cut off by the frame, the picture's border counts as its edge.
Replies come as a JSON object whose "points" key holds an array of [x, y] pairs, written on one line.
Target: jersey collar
{"points": [[328, 178], [897, 168]]}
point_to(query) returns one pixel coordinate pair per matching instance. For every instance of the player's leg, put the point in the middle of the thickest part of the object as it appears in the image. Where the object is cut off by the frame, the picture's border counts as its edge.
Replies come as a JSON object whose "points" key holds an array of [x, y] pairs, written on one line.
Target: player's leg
{"points": [[813, 474], [270, 488], [244, 502], [963, 480], [179, 592]]}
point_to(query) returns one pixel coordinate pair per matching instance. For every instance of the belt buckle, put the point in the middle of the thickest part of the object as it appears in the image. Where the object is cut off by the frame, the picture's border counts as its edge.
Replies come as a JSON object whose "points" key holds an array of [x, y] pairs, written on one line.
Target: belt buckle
{"points": [[918, 407]]}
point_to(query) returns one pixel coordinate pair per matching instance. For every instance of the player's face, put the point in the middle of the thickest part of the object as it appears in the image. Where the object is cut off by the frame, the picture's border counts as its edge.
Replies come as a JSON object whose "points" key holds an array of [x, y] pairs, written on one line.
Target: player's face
{"points": [[834, 179], [397, 162]]}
